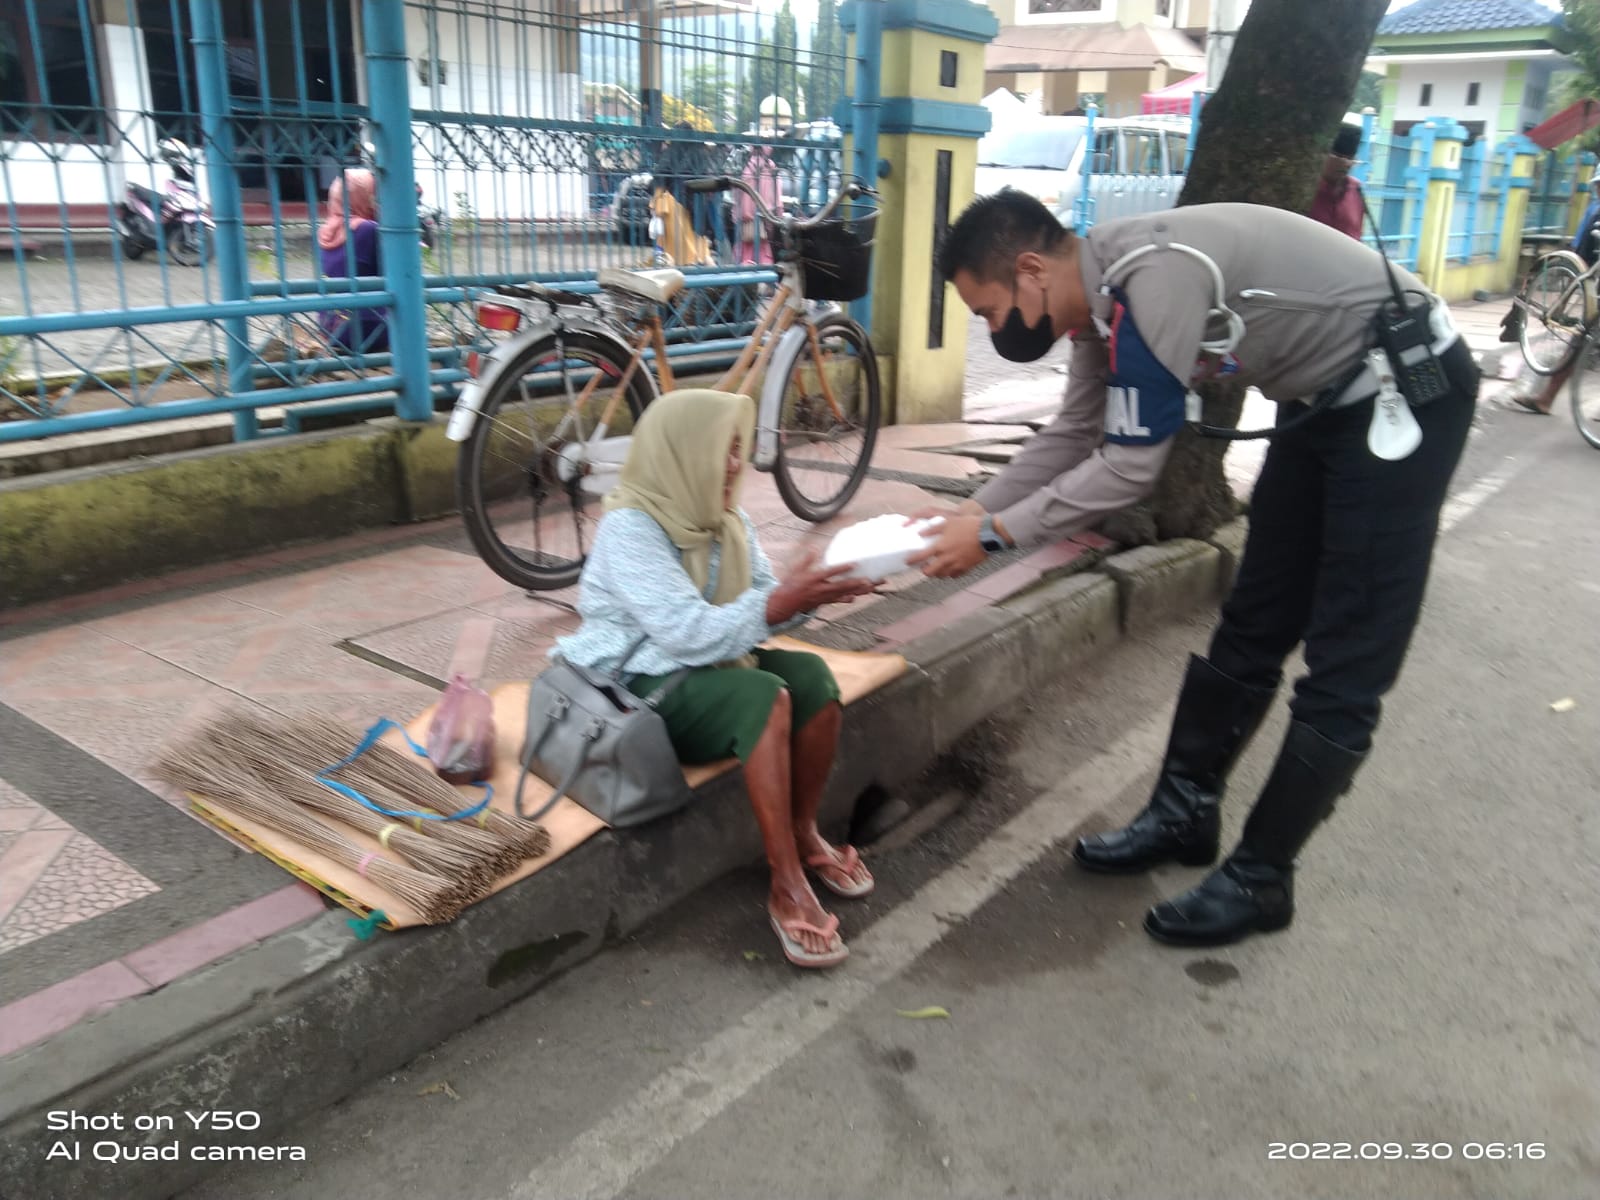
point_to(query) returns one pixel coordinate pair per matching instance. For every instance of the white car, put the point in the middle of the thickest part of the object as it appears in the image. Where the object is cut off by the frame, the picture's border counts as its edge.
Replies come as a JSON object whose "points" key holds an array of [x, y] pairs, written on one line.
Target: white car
{"points": [[1137, 163]]}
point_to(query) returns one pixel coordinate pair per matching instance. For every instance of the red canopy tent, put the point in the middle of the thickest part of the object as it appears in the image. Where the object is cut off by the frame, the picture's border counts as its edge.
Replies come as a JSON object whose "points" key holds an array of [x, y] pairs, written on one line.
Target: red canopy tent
{"points": [[1565, 125], [1175, 98]]}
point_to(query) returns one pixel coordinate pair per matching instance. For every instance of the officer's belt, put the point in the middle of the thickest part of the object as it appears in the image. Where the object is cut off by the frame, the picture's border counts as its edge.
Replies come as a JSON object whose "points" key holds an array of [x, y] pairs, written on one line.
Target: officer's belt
{"points": [[1363, 384]]}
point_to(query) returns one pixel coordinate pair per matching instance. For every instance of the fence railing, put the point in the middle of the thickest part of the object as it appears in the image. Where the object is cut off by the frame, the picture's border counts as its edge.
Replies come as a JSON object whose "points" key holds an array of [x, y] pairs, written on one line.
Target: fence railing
{"points": [[523, 141]]}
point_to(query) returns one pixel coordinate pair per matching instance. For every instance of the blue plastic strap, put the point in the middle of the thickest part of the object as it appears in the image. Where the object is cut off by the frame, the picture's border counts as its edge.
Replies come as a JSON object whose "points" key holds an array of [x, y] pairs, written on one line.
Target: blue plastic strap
{"points": [[371, 739]]}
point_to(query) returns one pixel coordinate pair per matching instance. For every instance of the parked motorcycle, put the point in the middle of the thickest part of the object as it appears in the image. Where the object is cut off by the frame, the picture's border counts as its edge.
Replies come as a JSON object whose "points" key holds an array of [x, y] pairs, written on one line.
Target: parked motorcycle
{"points": [[175, 217]]}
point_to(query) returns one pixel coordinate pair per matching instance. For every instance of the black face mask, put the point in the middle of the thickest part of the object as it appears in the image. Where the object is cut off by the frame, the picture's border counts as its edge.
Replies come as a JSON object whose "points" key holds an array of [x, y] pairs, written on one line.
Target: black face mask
{"points": [[1018, 342]]}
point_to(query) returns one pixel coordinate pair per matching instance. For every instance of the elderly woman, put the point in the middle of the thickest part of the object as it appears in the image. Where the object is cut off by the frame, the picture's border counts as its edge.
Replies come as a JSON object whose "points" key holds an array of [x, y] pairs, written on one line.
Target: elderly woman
{"points": [[347, 246], [676, 559]]}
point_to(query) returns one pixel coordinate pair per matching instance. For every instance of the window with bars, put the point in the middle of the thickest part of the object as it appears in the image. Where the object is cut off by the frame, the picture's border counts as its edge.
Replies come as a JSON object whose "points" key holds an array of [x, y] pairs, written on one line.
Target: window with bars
{"points": [[49, 90]]}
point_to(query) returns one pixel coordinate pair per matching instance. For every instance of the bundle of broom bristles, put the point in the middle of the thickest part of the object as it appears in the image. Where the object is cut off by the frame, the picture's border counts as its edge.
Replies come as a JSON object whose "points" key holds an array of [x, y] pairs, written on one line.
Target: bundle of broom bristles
{"points": [[265, 767]]}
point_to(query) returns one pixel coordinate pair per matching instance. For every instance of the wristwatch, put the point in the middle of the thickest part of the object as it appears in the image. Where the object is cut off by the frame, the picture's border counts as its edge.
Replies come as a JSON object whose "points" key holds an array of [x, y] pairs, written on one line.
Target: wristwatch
{"points": [[991, 541]]}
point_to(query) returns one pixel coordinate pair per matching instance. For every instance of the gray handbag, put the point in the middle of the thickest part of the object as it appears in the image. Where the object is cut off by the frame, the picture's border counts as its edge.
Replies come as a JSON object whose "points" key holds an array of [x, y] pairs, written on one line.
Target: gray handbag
{"points": [[608, 747]]}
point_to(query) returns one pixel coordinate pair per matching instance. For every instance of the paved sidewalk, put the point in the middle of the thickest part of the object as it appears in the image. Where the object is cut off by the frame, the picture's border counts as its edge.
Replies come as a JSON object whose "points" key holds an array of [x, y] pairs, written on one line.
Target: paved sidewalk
{"points": [[110, 890]]}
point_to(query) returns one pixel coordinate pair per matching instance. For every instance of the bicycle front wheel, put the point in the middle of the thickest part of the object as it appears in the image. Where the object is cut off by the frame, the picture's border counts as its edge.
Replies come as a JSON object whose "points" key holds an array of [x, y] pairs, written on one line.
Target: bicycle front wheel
{"points": [[1588, 423], [530, 476], [828, 420], [1555, 304]]}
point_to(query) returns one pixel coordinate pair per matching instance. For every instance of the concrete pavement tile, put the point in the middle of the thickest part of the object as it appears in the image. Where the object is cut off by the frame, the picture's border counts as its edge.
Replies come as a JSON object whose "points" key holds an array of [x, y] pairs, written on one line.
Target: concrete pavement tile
{"points": [[942, 435], [338, 603], [193, 618], [488, 650], [46, 1012], [449, 575], [173, 957], [918, 462], [1007, 581], [935, 617], [82, 881], [25, 862], [289, 669]]}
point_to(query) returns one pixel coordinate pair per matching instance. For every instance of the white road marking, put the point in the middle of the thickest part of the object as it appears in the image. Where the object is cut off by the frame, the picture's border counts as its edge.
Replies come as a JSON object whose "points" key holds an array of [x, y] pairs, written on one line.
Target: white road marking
{"points": [[679, 1102]]}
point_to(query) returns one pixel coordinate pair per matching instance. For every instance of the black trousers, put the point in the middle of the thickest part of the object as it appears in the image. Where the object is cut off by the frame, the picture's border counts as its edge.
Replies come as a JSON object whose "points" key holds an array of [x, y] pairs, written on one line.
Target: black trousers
{"points": [[1337, 556]]}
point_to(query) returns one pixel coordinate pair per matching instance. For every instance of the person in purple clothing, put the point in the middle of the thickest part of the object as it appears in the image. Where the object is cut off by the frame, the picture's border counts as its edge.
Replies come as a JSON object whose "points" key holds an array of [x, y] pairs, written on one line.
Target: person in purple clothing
{"points": [[347, 246]]}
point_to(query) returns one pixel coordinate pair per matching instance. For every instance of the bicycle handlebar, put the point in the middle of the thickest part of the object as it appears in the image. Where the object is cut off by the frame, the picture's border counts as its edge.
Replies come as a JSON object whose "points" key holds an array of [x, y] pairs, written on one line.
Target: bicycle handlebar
{"points": [[851, 190]]}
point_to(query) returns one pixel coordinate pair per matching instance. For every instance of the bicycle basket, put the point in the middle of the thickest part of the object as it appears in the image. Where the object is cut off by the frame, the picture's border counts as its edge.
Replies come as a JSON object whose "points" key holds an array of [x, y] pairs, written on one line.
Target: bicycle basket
{"points": [[836, 257]]}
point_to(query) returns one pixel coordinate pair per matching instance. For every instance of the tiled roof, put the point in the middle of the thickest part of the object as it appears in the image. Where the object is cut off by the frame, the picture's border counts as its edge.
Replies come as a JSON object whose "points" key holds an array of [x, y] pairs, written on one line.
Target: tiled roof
{"points": [[1466, 16]]}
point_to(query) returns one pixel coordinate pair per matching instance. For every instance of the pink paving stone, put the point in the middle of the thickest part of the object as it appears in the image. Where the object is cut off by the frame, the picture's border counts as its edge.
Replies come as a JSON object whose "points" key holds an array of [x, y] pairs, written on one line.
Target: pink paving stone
{"points": [[1007, 581], [339, 602], [187, 620], [1094, 541], [62, 1005], [172, 957], [934, 618], [1052, 557]]}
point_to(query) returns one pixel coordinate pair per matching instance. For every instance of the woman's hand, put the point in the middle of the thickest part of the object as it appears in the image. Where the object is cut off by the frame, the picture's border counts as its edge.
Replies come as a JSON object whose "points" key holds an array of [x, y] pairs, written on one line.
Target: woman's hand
{"points": [[807, 585]]}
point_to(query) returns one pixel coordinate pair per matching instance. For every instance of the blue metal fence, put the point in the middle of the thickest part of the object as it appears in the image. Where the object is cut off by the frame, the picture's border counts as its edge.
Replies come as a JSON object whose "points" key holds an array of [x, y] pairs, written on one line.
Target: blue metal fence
{"points": [[538, 133], [1393, 170]]}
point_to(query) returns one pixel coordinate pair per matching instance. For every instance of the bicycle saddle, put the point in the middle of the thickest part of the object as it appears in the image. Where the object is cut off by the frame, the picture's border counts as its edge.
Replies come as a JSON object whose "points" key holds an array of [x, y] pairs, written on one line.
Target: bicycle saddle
{"points": [[656, 286]]}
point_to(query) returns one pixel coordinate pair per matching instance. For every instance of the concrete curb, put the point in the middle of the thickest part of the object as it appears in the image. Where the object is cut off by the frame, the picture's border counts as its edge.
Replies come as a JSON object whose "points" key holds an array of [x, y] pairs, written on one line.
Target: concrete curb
{"points": [[307, 1016]]}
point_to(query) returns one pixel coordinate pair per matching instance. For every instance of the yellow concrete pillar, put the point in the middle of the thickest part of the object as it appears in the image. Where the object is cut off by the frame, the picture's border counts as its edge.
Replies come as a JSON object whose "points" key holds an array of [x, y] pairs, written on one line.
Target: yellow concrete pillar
{"points": [[1525, 157], [930, 119], [1580, 192], [1433, 247]]}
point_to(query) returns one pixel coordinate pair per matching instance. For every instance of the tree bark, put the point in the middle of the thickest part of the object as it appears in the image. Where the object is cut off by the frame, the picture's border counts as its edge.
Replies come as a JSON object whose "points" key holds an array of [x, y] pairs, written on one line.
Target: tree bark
{"points": [[1290, 79]]}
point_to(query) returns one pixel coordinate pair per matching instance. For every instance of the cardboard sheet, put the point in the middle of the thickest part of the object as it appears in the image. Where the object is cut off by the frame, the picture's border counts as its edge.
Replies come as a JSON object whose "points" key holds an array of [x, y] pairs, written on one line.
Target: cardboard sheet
{"points": [[569, 823]]}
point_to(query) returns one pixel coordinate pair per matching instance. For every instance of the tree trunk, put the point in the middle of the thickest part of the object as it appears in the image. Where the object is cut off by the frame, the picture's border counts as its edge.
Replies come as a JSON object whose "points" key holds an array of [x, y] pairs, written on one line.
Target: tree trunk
{"points": [[1262, 140]]}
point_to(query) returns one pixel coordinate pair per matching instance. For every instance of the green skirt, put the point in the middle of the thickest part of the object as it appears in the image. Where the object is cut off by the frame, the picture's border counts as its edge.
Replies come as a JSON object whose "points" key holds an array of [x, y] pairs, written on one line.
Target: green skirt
{"points": [[715, 712]]}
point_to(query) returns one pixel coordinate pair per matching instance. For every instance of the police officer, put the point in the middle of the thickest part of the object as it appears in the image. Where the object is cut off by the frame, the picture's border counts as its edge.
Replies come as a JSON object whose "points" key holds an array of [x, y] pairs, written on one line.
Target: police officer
{"points": [[1342, 519]]}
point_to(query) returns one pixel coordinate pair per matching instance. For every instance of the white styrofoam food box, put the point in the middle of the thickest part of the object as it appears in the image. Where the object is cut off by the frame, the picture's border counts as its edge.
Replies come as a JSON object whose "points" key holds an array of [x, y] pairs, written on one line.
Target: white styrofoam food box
{"points": [[880, 546]]}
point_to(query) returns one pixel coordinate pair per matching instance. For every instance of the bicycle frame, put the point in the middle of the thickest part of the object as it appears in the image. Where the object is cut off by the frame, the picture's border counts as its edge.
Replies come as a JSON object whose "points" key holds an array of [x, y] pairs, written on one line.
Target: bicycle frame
{"points": [[786, 326]]}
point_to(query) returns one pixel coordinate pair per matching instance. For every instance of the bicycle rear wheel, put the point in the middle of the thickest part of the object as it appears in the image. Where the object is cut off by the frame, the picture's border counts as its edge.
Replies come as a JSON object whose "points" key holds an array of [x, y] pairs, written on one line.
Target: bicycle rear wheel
{"points": [[828, 421], [529, 495], [1555, 302], [1588, 424]]}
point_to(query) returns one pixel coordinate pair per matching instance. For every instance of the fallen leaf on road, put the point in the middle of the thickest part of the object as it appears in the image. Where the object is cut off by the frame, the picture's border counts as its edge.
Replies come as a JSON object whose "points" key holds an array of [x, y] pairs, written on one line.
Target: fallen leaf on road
{"points": [[932, 1012], [1566, 705], [753, 955], [433, 1089], [647, 1003]]}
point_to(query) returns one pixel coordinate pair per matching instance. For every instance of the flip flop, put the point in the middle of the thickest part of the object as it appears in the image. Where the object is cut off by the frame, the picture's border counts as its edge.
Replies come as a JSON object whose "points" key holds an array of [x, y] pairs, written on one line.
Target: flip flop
{"points": [[847, 861], [1527, 405], [796, 952]]}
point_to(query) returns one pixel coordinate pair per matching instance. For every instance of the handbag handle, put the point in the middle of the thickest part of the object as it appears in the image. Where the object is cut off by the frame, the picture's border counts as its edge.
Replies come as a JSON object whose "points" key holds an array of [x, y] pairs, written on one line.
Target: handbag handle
{"points": [[591, 735]]}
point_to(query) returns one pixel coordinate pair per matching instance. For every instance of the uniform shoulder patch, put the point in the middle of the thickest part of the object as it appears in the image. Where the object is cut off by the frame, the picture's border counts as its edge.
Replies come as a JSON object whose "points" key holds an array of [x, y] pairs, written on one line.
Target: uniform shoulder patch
{"points": [[1145, 403]]}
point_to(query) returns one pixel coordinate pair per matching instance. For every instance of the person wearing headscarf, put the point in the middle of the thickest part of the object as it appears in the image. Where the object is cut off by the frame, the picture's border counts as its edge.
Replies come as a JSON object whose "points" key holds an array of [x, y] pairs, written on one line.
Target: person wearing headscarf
{"points": [[676, 559], [347, 247]]}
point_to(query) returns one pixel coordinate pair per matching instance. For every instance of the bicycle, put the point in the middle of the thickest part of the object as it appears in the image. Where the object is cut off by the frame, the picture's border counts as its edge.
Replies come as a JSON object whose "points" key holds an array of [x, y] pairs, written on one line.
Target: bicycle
{"points": [[1559, 317], [544, 422]]}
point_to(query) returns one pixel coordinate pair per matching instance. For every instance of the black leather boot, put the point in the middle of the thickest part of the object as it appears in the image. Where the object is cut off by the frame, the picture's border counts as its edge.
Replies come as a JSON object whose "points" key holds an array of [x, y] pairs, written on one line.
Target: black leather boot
{"points": [[1215, 719], [1253, 892]]}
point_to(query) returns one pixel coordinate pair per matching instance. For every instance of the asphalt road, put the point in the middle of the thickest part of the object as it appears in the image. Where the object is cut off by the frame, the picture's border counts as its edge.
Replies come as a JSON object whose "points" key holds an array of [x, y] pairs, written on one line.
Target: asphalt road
{"points": [[1438, 990]]}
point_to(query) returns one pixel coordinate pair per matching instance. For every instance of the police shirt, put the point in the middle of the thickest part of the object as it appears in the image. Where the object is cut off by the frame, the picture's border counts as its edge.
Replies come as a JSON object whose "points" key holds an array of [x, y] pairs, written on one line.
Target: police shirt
{"points": [[1307, 294]]}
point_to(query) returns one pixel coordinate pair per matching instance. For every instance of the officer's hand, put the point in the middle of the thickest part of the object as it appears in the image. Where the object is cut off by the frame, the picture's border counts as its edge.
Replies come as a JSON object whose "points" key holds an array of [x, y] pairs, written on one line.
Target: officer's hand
{"points": [[955, 549]]}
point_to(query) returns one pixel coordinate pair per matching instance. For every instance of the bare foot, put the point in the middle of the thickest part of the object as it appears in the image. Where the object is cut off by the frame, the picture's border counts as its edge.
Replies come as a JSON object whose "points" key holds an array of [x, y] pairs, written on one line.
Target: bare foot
{"points": [[792, 907]]}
